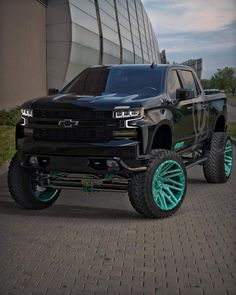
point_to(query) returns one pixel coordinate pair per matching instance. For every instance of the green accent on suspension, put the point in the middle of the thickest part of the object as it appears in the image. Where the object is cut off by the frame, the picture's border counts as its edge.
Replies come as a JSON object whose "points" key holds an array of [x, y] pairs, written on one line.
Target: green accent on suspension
{"points": [[168, 185], [46, 195], [88, 189], [179, 145], [228, 157]]}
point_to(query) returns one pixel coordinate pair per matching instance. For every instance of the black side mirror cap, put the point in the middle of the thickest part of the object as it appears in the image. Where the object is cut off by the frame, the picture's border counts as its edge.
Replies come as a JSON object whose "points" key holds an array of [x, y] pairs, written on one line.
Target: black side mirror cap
{"points": [[182, 94], [52, 91]]}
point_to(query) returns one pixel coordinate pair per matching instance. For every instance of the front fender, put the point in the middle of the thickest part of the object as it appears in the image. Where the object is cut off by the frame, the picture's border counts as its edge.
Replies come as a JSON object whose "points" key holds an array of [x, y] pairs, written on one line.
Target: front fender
{"points": [[149, 125]]}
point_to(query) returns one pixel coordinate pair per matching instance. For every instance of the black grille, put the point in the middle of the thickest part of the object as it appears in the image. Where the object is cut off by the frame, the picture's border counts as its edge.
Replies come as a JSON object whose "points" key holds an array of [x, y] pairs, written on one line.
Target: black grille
{"points": [[78, 135], [70, 114], [92, 127]]}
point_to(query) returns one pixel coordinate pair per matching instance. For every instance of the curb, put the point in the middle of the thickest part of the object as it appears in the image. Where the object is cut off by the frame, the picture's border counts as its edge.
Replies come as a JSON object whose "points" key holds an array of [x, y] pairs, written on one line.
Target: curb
{"points": [[4, 168]]}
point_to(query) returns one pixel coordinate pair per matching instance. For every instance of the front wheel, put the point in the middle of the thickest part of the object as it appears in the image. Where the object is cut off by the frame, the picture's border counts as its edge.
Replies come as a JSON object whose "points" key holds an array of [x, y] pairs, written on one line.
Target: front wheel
{"points": [[25, 189], [160, 190]]}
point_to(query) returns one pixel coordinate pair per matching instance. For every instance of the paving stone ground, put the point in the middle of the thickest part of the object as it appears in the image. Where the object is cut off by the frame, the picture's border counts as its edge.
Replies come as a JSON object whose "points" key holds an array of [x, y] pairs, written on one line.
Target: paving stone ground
{"points": [[100, 245]]}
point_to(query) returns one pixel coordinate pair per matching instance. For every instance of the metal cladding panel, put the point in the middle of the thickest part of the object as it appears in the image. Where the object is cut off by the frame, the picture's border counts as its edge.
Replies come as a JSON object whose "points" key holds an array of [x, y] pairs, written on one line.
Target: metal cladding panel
{"points": [[83, 19], [81, 54], [58, 50], [59, 32], [58, 42], [128, 56], [110, 59], [56, 13], [138, 59], [138, 52], [86, 6], [126, 44], [87, 32], [110, 34], [107, 7], [84, 36], [111, 49]]}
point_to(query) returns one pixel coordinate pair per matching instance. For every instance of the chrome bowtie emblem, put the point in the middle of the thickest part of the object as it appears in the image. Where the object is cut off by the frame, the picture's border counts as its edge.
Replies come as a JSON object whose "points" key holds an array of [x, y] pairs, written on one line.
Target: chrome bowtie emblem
{"points": [[68, 123]]}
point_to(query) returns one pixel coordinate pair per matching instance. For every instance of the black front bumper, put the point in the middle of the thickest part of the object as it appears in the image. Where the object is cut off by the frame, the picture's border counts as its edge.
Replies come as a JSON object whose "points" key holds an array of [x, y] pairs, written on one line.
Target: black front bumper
{"points": [[80, 158]]}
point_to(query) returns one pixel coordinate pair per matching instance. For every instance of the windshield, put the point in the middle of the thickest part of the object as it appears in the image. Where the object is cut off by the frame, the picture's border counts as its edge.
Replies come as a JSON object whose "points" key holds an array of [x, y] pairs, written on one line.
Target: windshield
{"points": [[120, 80]]}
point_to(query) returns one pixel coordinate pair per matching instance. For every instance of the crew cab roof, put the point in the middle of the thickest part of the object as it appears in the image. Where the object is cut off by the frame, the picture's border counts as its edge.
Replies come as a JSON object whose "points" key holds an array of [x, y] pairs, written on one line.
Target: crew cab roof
{"points": [[140, 66]]}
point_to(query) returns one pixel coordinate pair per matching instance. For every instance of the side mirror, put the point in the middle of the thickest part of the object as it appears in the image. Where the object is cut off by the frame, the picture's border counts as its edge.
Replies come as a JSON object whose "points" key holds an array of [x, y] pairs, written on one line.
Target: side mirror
{"points": [[182, 94], [52, 91]]}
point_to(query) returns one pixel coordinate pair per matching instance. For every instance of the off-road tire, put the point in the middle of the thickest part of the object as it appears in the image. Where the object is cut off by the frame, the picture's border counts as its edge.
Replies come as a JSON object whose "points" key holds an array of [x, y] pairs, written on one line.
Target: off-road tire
{"points": [[213, 168], [139, 189], [20, 187]]}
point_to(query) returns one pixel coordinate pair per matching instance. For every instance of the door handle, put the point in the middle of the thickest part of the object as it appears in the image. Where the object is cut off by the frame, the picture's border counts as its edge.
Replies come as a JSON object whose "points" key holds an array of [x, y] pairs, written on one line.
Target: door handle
{"points": [[189, 108]]}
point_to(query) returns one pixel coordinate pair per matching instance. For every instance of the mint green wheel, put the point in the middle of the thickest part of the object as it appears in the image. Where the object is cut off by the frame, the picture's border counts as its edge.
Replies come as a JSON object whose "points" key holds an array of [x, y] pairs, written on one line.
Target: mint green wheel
{"points": [[25, 187], [160, 190], [219, 164], [228, 157], [45, 195], [168, 185], [40, 193]]}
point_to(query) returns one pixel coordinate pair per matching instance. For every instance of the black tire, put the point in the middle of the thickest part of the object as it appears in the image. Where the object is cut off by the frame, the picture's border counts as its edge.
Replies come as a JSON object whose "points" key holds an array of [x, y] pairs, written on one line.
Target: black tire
{"points": [[214, 167], [21, 187], [140, 186]]}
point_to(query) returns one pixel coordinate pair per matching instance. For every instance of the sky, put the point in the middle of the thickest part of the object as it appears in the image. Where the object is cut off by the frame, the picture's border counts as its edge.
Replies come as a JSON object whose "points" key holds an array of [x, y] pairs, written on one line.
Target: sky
{"points": [[194, 29]]}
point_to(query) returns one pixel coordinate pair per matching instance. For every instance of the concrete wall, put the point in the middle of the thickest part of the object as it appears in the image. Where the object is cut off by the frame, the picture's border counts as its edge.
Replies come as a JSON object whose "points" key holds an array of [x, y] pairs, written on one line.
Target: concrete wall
{"points": [[22, 51]]}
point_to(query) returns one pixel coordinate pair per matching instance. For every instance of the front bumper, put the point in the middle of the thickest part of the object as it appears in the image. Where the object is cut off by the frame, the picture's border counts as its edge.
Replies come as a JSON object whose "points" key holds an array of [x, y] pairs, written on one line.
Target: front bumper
{"points": [[80, 158]]}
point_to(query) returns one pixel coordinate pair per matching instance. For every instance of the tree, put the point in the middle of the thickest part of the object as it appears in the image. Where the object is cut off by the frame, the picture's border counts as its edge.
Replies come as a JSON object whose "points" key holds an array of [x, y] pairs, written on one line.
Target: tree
{"points": [[206, 84], [225, 80]]}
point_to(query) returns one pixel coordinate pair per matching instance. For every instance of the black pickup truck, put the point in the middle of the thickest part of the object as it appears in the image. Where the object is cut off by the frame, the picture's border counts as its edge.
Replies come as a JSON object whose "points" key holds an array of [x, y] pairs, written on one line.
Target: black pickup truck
{"points": [[132, 128]]}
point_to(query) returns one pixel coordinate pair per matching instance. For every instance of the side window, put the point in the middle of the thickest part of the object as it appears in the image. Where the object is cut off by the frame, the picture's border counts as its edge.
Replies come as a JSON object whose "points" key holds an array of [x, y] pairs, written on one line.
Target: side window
{"points": [[189, 82], [173, 84]]}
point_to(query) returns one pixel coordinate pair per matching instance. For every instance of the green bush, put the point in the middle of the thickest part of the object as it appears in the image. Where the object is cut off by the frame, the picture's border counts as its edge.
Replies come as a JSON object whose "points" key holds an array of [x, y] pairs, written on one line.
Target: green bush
{"points": [[10, 118], [7, 143], [232, 129]]}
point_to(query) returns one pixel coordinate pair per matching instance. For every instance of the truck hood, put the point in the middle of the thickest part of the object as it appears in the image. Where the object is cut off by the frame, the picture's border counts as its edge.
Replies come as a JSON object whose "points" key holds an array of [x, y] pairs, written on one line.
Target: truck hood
{"points": [[104, 102]]}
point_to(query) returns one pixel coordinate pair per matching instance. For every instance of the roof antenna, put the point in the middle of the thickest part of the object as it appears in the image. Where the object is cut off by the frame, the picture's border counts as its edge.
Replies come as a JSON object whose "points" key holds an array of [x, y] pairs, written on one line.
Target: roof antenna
{"points": [[152, 66]]}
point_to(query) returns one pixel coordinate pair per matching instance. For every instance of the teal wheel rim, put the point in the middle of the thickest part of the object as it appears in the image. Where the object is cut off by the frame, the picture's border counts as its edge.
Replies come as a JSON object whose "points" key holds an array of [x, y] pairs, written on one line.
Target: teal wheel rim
{"points": [[168, 185], [228, 157], [42, 194], [47, 195]]}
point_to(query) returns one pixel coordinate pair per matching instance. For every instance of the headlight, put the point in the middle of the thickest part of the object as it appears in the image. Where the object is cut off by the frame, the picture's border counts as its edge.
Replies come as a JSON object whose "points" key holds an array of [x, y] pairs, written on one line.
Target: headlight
{"points": [[27, 112], [119, 114]]}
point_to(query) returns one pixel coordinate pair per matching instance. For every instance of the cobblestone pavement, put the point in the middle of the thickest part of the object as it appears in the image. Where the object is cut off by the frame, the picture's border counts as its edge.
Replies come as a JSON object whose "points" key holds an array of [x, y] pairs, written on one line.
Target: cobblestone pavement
{"points": [[100, 245]]}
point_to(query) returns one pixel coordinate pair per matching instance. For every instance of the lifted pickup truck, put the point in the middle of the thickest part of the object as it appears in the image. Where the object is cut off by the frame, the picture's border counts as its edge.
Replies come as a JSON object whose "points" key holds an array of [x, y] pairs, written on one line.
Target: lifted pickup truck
{"points": [[132, 128]]}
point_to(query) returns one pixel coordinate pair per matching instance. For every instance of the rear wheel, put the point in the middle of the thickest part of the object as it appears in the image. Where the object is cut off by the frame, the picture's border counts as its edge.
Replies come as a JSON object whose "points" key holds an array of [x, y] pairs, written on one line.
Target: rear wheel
{"points": [[218, 167], [26, 190], [160, 190]]}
